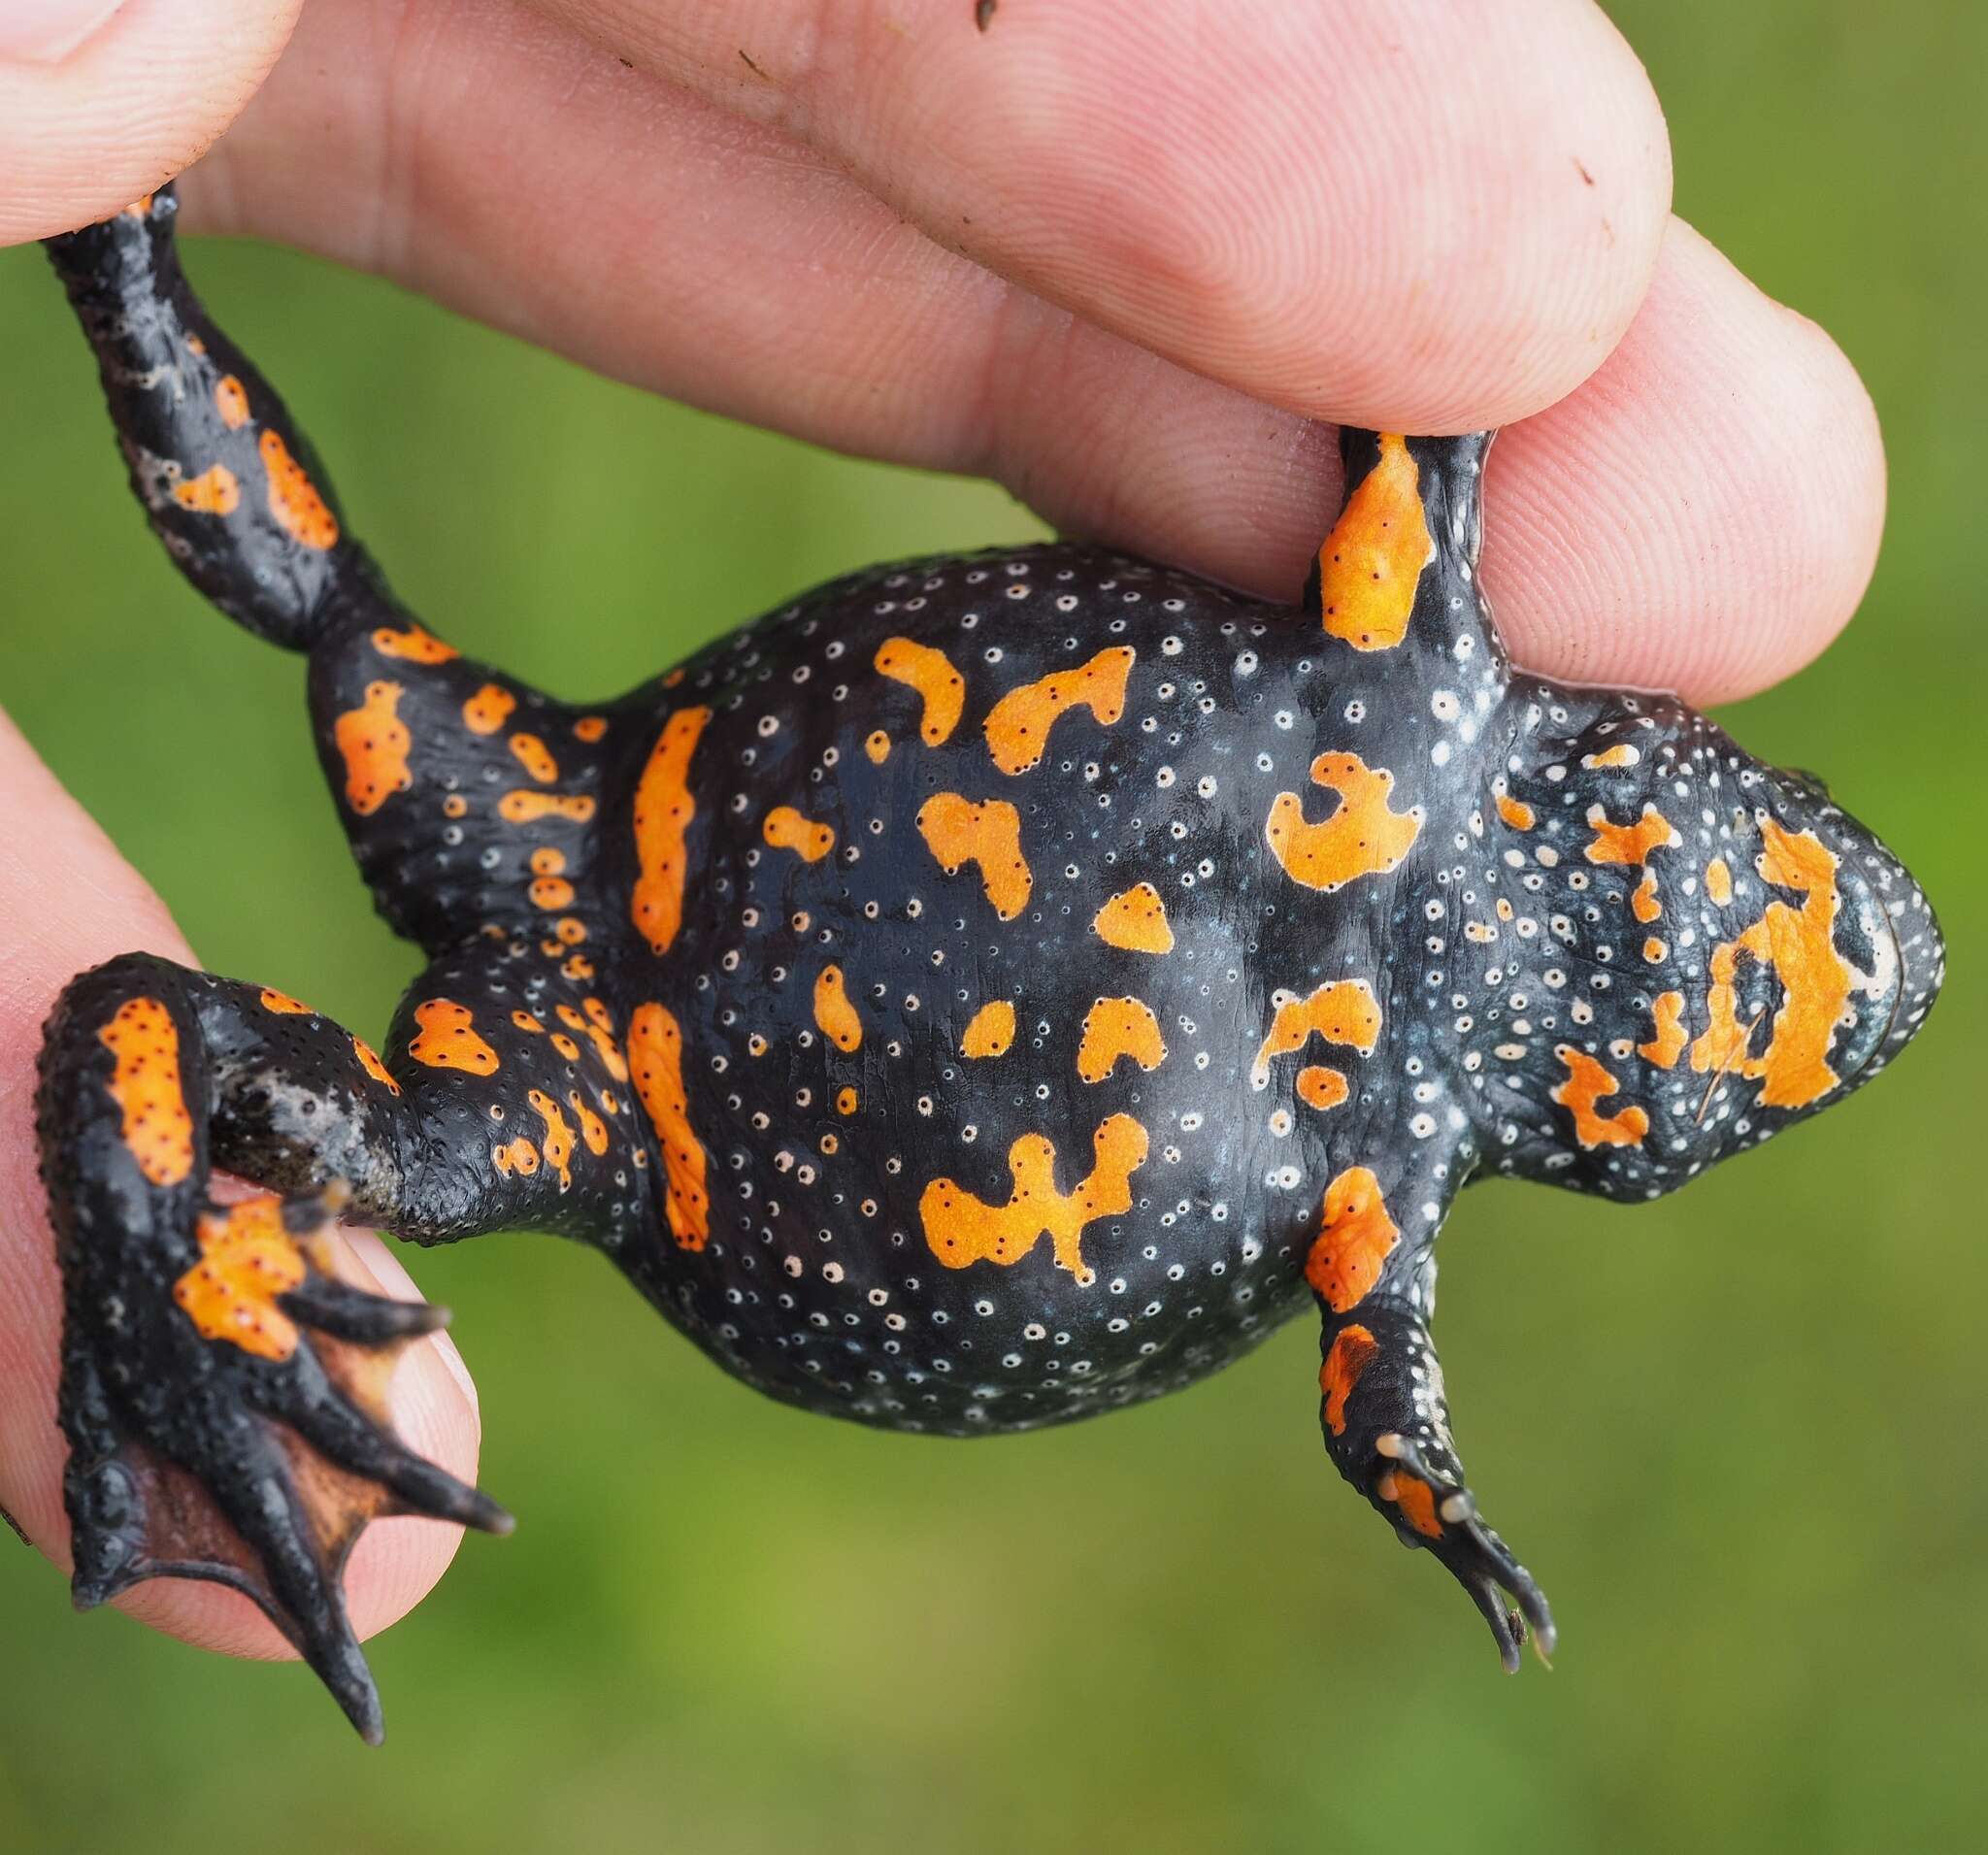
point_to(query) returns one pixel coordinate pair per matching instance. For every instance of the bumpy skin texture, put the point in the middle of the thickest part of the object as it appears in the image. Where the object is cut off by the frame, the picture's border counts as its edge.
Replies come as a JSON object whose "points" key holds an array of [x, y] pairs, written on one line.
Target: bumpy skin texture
{"points": [[988, 991]]}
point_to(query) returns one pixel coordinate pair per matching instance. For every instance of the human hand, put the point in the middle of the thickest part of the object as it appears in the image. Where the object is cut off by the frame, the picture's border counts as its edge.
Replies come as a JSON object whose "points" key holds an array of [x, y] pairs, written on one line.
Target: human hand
{"points": [[1120, 255]]}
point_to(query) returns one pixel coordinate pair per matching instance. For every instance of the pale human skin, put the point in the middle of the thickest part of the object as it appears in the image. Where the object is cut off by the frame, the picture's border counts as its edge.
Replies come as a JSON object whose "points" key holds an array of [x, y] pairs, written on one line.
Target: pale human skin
{"points": [[1137, 288]]}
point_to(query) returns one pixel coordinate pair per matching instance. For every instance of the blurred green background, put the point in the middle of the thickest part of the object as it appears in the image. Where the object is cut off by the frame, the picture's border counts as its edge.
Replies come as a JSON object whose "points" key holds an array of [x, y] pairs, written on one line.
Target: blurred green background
{"points": [[1737, 1434]]}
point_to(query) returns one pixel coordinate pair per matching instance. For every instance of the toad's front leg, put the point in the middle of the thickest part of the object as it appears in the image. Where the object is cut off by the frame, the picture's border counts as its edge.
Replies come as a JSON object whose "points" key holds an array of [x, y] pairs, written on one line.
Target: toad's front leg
{"points": [[1385, 1412], [222, 1393]]}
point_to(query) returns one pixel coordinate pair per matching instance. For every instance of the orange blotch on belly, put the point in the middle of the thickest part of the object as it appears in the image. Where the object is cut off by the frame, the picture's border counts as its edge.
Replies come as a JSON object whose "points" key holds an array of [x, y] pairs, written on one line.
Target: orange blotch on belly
{"points": [[961, 1228], [247, 1260], [1374, 558], [1364, 837], [785, 829], [231, 402], [293, 499], [368, 1061], [1415, 1499], [1115, 1028], [876, 745], [1018, 725], [1320, 1087], [1620, 755], [1799, 945], [1630, 844], [485, 711], [415, 645], [534, 757], [1340, 1011], [1643, 904], [833, 1015], [1355, 1238], [1587, 1083], [374, 742], [663, 812], [846, 1100], [991, 1031], [590, 728], [655, 1056], [1666, 1042], [941, 687], [1352, 1349], [1718, 881], [215, 491], [957, 832], [1135, 920], [145, 1083], [447, 1041]]}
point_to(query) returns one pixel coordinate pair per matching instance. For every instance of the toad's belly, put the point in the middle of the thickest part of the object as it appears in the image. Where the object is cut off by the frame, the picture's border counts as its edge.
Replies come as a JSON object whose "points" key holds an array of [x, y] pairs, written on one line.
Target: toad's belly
{"points": [[981, 945]]}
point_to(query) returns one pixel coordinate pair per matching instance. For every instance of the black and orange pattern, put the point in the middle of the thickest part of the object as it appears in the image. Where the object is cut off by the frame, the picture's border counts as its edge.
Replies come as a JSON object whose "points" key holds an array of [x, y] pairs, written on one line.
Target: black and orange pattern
{"points": [[989, 991]]}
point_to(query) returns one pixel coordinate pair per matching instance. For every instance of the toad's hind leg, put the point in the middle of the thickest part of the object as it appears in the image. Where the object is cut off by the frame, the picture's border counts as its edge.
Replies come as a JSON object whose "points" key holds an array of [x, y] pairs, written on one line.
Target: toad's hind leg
{"points": [[222, 1392], [1385, 1416]]}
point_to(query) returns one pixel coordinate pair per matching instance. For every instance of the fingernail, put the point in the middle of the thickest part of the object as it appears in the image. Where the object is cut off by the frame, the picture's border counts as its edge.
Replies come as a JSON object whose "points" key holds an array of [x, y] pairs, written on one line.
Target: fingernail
{"points": [[43, 31]]}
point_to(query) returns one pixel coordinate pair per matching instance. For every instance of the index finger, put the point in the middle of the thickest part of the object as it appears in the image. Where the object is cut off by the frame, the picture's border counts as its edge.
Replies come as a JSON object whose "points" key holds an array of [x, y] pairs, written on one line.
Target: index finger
{"points": [[1425, 215]]}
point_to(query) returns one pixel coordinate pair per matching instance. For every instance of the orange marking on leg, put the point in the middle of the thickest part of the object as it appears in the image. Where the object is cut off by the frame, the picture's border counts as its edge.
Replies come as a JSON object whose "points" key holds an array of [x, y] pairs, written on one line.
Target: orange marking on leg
{"points": [[1718, 881], [368, 1061], [592, 1129], [590, 728], [1630, 844], [1135, 920], [215, 491], [1374, 558], [284, 1005], [566, 1046], [1352, 1349], [600, 1029], [957, 831], [293, 499], [991, 1030], [534, 757], [1340, 1011], [551, 892], [1515, 812], [517, 1156], [231, 401], [1799, 945], [1620, 755], [525, 806], [1588, 1082], [833, 1015], [941, 687], [1666, 1044], [1320, 1087], [1356, 1238], [145, 1083], [1643, 904], [785, 829], [529, 1021], [876, 745], [485, 711], [846, 1100], [1415, 1499], [1364, 837], [373, 741], [1018, 725], [655, 1055], [1115, 1028], [557, 1145], [415, 645], [663, 812], [247, 1260], [962, 1229], [447, 1041]]}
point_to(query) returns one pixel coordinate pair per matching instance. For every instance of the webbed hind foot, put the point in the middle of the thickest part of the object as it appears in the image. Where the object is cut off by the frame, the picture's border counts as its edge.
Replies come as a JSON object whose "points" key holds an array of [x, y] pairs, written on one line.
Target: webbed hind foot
{"points": [[252, 1445]]}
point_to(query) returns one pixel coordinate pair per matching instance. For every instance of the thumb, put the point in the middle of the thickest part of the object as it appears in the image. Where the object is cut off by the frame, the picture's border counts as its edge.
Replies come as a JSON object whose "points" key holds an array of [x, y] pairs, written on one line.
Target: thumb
{"points": [[102, 100]]}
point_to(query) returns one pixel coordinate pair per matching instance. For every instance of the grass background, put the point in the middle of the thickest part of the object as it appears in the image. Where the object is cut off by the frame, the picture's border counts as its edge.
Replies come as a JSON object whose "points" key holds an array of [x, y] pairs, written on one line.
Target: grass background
{"points": [[1737, 1434]]}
